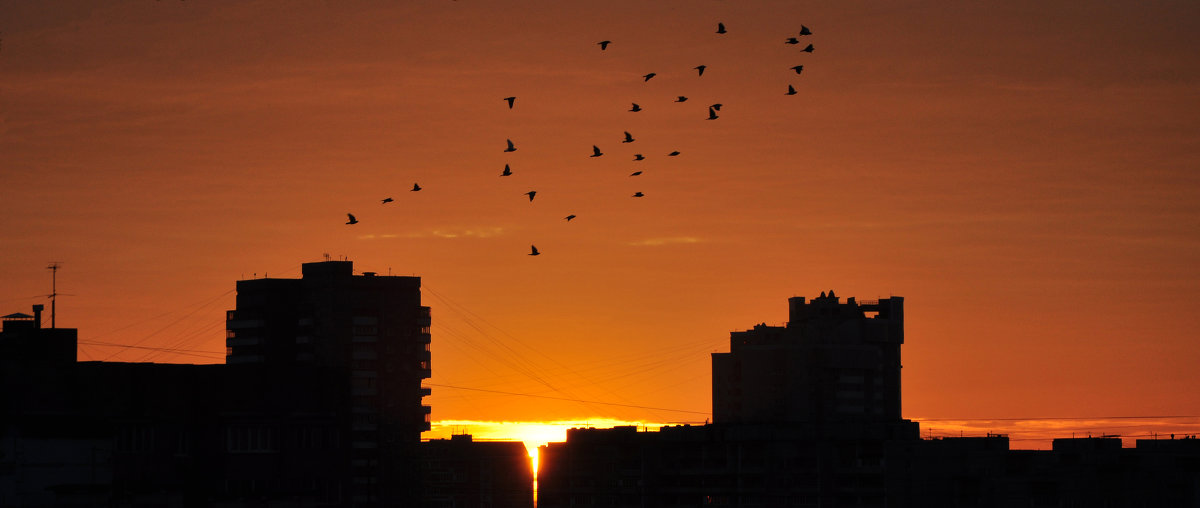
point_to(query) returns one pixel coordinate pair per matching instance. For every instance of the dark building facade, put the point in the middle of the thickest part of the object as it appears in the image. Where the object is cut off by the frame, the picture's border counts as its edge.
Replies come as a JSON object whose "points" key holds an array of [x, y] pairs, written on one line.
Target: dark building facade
{"points": [[808, 415], [460, 472], [320, 404]]}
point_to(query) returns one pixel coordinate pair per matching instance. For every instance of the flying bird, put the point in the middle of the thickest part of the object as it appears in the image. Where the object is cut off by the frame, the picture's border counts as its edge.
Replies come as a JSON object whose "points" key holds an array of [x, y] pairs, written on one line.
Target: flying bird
{"points": [[387, 200], [596, 151], [791, 90], [717, 106], [648, 76], [681, 99], [507, 171], [635, 173], [638, 157], [510, 148], [510, 100], [531, 194], [533, 251], [635, 108], [701, 69], [721, 28], [804, 30], [672, 154], [797, 68], [628, 137], [604, 44], [712, 114], [792, 40], [352, 219], [569, 217], [638, 194], [416, 188], [808, 49]]}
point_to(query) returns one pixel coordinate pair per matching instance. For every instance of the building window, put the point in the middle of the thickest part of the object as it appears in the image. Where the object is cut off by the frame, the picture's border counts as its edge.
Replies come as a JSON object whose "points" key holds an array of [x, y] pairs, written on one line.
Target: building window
{"points": [[250, 439]]}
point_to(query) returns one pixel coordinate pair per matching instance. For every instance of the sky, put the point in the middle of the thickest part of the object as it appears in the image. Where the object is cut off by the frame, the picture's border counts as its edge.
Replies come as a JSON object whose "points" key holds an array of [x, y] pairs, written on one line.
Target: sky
{"points": [[1025, 174]]}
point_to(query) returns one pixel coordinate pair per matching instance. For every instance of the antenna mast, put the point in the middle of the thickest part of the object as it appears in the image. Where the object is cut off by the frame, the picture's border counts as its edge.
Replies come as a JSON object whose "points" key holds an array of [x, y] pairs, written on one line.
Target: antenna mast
{"points": [[53, 288]]}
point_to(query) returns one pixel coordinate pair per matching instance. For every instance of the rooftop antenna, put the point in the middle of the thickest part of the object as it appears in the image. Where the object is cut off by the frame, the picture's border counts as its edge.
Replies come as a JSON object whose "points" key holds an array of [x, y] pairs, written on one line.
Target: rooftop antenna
{"points": [[327, 256], [53, 288]]}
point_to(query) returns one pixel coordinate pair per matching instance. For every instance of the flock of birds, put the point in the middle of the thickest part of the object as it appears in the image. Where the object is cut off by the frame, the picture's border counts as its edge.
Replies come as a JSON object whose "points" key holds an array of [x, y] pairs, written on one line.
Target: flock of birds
{"points": [[713, 109]]}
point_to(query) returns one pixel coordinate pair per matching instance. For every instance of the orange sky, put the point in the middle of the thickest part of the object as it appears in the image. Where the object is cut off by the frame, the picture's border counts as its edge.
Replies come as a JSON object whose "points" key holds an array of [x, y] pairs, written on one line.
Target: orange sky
{"points": [[1024, 175]]}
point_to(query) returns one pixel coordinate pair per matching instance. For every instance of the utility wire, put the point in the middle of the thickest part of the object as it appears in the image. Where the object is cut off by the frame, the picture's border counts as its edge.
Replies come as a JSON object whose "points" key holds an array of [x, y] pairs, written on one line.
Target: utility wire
{"points": [[567, 399]]}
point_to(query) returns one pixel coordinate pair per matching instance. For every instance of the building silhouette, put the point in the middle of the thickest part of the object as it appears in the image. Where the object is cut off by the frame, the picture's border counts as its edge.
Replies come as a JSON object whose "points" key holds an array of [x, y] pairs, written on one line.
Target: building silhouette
{"points": [[808, 415], [319, 404]]}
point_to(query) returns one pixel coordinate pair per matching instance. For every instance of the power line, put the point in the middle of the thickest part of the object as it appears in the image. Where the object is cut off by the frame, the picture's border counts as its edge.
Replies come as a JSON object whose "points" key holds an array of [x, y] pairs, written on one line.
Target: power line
{"points": [[567, 399]]}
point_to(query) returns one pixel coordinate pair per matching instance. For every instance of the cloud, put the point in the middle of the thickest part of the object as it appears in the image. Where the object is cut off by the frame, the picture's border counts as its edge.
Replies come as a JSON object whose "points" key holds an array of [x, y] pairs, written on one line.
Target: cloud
{"points": [[654, 242], [478, 232]]}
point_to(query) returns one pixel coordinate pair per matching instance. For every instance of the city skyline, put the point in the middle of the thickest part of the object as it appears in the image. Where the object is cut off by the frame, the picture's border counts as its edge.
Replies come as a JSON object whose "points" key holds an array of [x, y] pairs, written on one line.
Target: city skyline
{"points": [[1020, 173]]}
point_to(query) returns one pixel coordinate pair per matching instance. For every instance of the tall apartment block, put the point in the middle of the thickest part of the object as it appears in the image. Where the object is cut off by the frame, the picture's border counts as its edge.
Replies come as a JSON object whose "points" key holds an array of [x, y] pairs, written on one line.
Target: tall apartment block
{"points": [[358, 345], [834, 363]]}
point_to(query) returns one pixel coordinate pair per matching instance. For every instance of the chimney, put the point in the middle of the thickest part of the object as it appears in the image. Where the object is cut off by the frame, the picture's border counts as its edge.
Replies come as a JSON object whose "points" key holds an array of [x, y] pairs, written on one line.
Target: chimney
{"points": [[37, 315]]}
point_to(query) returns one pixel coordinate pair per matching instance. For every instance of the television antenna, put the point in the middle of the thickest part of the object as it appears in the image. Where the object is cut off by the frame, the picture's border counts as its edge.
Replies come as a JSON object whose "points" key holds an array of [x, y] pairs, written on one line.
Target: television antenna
{"points": [[54, 265]]}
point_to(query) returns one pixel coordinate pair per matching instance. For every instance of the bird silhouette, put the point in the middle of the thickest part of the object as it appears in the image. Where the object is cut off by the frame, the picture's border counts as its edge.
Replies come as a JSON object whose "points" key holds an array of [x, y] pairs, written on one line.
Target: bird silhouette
{"points": [[672, 154], [791, 90], [533, 251], [510, 148], [808, 49], [352, 219], [628, 137], [510, 100], [717, 106], [792, 40], [531, 194], [797, 68], [638, 194], [416, 188], [648, 76], [635, 173], [701, 69], [604, 45], [681, 99], [596, 151], [387, 200], [569, 217], [712, 114], [804, 30], [720, 28], [635, 108], [638, 157], [507, 171]]}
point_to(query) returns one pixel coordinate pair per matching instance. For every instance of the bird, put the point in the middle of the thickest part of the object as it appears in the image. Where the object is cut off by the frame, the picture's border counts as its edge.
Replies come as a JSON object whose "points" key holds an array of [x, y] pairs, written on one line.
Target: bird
{"points": [[352, 219], [712, 114], [701, 69], [638, 194], [721, 28], [416, 188], [681, 99], [533, 250], [507, 171], [635, 108], [635, 173], [628, 137], [791, 90], [797, 68], [531, 194], [510, 100], [510, 148], [717, 106], [648, 76], [604, 45], [638, 157], [792, 40], [387, 200], [808, 49], [672, 154], [569, 217], [596, 151], [804, 30]]}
